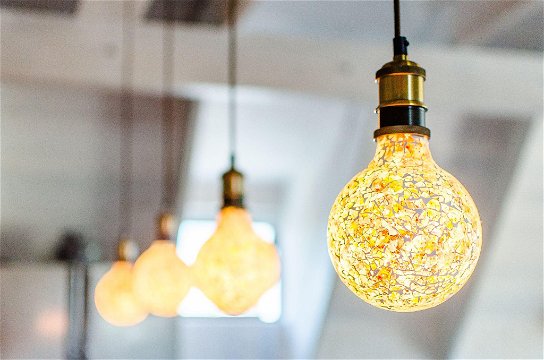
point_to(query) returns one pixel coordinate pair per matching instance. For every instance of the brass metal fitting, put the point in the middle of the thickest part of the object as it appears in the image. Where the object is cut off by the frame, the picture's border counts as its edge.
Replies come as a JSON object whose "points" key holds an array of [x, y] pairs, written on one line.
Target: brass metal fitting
{"points": [[400, 83], [166, 226], [233, 188], [127, 250]]}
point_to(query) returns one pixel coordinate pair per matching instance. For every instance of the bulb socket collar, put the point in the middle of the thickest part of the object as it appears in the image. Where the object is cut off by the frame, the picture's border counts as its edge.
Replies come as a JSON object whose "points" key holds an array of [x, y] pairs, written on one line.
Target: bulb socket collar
{"points": [[409, 129], [233, 188], [406, 119], [401, 65]]}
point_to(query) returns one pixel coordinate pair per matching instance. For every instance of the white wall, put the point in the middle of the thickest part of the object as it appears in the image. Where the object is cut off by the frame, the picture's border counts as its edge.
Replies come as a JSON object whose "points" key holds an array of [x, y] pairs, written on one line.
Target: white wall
{"points": [[504, 317], [35, 320], [33, 311]]}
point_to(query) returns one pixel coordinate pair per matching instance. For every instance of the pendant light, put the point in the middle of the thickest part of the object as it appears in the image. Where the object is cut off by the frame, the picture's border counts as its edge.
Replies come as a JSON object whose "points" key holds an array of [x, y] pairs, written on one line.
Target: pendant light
{"points": [[114, 295], [235, 267], [403, 235], [161, 278]]}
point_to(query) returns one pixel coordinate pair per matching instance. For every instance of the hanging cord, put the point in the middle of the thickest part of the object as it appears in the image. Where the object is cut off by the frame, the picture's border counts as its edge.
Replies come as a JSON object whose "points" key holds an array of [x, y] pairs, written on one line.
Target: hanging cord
{"points": [[232, 66], [396, 5], [127, 114], [167, 106], [400, 44]]}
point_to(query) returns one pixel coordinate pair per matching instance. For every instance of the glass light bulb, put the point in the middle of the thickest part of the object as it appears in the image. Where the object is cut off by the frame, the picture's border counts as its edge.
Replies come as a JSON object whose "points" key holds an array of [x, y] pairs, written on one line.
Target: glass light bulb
{"points": [[235, 267], [403, 234], [115, 299], [161, 279]]}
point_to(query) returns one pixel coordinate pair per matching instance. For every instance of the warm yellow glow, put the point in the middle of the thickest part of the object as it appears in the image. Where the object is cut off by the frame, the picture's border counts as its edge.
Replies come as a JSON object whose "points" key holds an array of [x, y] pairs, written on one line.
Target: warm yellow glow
{"points": [[404, 235], [235, 267], [115, 299], [161, 279]]}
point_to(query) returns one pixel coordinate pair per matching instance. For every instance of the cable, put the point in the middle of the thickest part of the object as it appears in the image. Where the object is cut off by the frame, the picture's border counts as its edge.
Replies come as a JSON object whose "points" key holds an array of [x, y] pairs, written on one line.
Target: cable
{"points": [[396, 5], [232, 66], [167, 106], [400, 44], [127, 114]]}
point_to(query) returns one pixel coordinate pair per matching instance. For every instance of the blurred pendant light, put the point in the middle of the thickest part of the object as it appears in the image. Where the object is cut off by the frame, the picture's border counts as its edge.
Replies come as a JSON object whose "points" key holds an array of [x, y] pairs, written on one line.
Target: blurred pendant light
{"points": [[403, 235], [161, 278], [235, 267], [114, 297]]}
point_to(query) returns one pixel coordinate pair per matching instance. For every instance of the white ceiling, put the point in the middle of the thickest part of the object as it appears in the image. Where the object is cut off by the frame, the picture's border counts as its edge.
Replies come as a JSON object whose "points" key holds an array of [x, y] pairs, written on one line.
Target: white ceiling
{"points": [[481, 23]]}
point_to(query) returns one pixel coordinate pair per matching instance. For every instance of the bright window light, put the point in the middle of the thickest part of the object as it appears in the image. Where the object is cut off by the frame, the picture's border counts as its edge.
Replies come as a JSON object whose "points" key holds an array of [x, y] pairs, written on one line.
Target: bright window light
{"points": [[192, 234]]}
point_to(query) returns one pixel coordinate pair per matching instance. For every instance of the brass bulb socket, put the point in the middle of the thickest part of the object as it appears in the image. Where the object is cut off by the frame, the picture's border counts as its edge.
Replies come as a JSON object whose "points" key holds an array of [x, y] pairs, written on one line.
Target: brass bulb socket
{"points": [[401, 83], [233, 188], [127, 250], [166, 226]]}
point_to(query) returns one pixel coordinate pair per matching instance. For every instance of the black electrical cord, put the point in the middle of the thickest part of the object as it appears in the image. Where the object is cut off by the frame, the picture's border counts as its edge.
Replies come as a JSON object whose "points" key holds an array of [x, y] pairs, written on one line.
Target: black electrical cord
{"points": [[167, 123], [400, 44], [232, 78], [127, 114], [396, 5]]}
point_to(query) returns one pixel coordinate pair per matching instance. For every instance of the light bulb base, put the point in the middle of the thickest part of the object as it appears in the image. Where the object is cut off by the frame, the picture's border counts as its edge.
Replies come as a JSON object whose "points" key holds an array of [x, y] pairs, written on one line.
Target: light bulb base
{"points": [[233, 189], [405, 129]]}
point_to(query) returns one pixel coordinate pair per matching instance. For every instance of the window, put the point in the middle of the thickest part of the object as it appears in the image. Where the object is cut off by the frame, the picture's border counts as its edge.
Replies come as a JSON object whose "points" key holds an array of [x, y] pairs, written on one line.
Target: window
{"points": [[192, 234]]}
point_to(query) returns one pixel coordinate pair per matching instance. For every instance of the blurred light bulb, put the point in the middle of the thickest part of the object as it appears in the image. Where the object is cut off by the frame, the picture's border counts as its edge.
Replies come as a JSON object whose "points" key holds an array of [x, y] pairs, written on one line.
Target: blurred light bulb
{"points": [[235, 267], [403, 234], [115, 299], [161, 278]]}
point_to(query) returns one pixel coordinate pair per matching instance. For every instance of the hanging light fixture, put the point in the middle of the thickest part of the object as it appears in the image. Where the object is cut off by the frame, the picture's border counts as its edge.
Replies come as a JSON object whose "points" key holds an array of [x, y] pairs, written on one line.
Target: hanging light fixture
{"points": [[161, 278], [235, 267], [403, 234], [114, 295]]}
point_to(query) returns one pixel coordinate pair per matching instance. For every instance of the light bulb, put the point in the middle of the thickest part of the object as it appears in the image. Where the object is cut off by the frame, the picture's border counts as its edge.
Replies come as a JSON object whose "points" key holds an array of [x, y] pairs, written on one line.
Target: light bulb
{"points": [[115, 299], [161, 279], [403, 234], [235, 267]]}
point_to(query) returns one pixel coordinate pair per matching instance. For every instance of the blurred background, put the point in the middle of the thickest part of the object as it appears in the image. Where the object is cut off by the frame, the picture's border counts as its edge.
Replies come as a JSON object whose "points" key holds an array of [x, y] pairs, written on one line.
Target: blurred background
{"points": [[306, 100]]}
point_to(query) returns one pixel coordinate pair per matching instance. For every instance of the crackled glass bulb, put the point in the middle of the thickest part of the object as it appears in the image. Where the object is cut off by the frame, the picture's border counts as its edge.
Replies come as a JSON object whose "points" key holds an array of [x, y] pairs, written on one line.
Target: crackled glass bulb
{"points": [[161, 278], [115, 299], [235, 267], [403, 234]]}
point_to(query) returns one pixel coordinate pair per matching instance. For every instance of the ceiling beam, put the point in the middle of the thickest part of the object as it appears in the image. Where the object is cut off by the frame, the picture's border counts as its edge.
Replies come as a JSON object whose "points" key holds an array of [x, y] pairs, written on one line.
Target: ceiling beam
{"points": [[491, 27], [86, 54]]}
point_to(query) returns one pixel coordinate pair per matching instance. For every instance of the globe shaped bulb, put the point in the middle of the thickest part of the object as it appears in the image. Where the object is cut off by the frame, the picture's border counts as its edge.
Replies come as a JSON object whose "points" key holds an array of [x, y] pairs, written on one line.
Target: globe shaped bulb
{"points": [[115, 299], [403, 234], [161, 279], [235, 267]]}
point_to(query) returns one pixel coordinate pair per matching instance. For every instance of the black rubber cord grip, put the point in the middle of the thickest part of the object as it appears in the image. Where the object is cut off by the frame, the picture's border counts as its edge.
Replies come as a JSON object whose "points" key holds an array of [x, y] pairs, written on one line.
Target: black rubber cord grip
{"points": [[400, 45]]}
